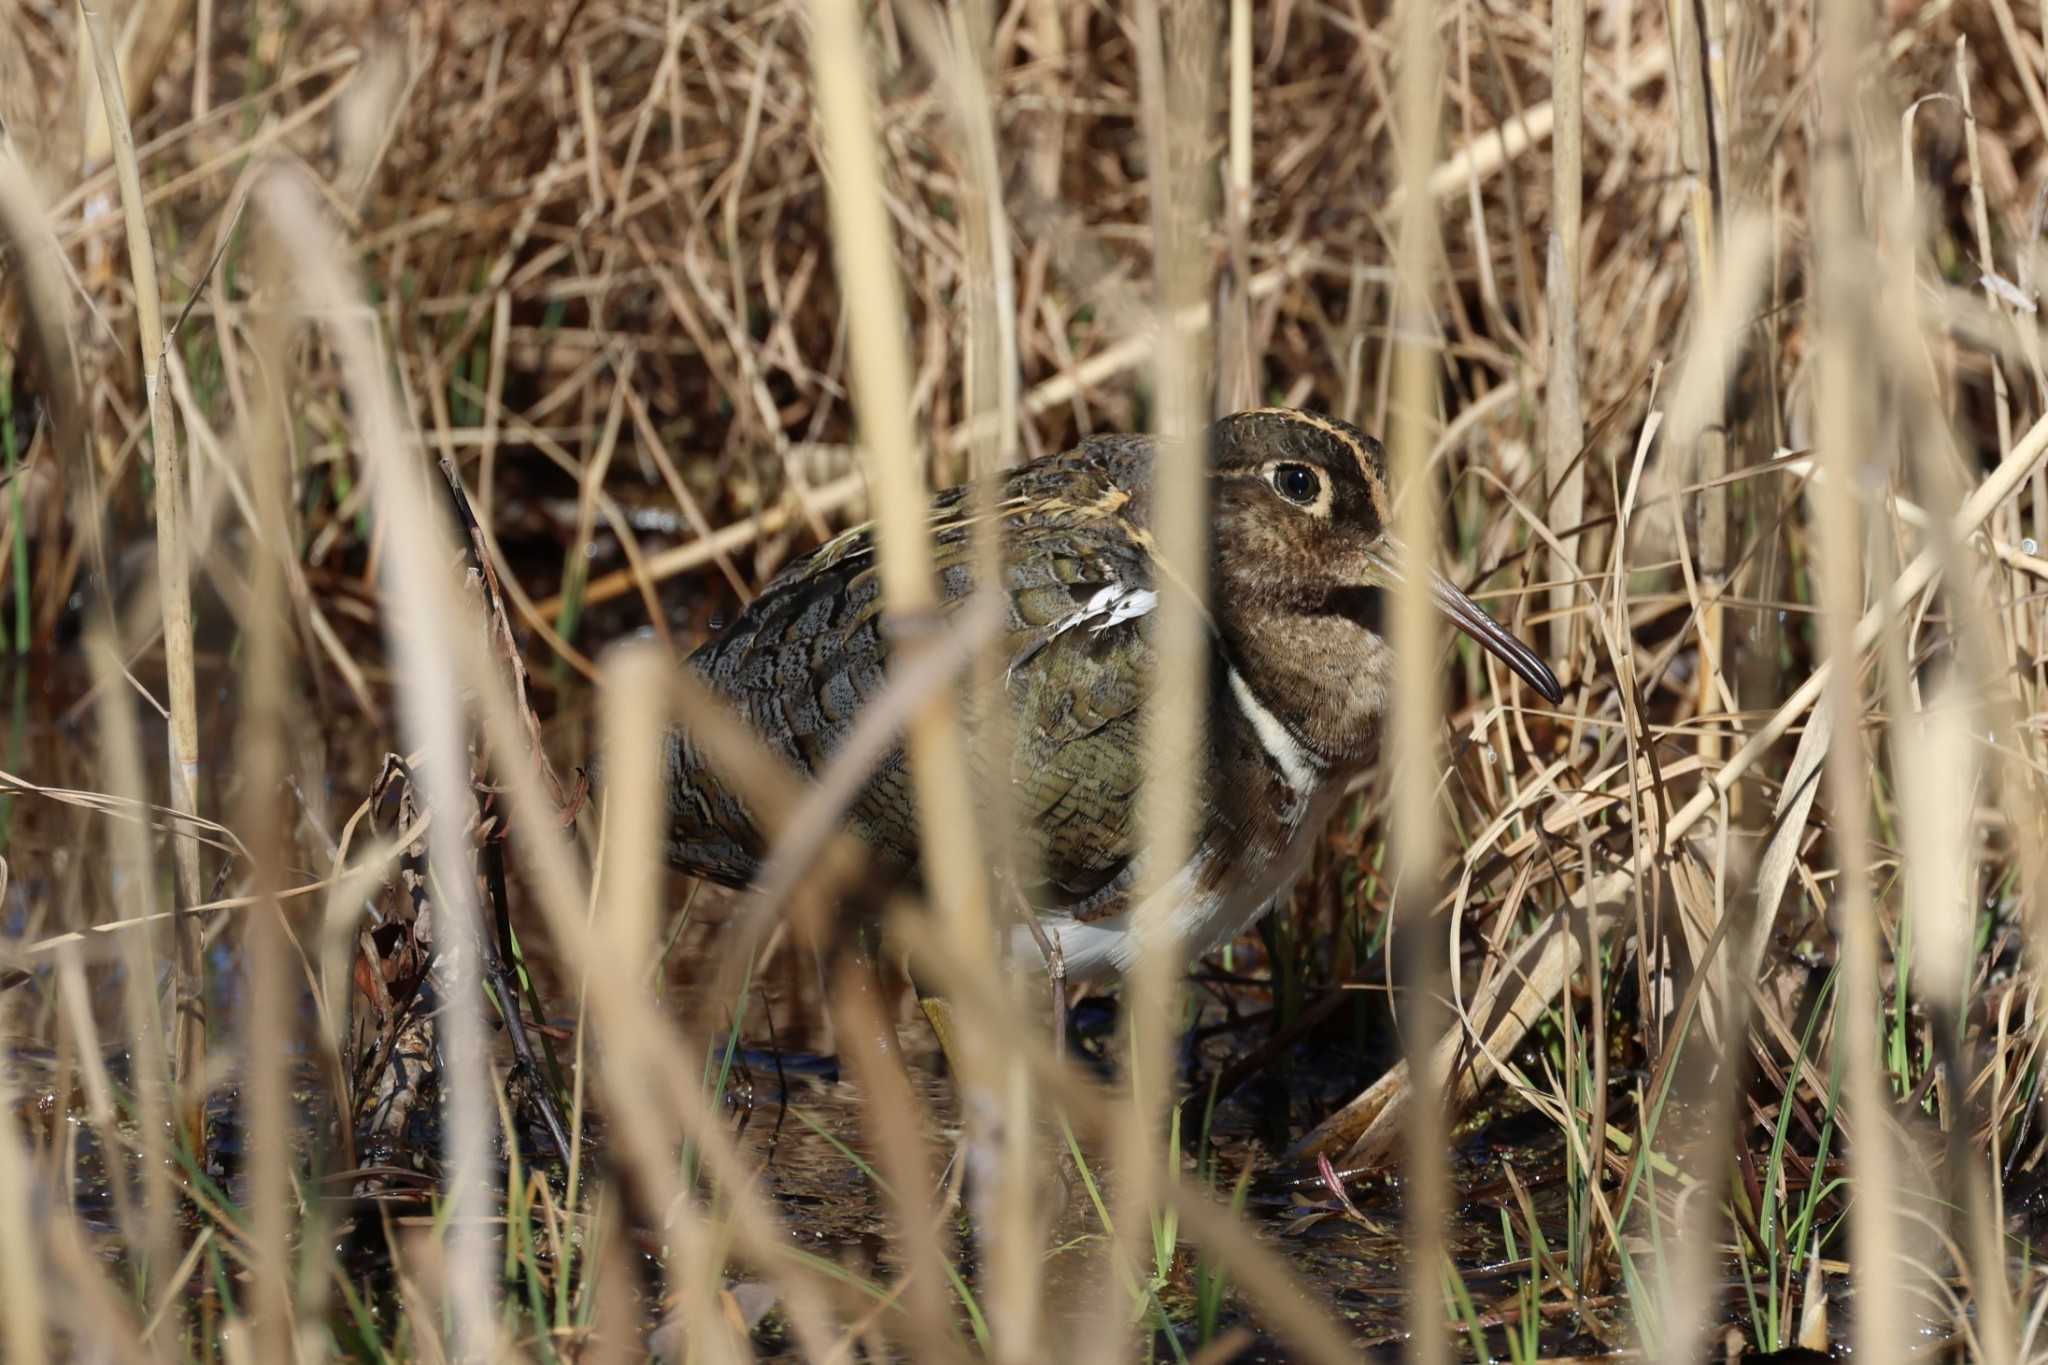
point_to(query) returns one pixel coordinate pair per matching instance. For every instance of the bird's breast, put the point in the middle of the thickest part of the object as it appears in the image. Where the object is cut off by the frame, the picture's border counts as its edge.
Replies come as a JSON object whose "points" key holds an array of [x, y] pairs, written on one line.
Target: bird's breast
{"points": [[1216, 895]]}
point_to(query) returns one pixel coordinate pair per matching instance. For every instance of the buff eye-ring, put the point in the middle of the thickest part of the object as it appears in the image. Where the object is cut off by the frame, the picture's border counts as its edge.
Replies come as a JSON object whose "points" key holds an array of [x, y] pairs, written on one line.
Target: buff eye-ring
{"points": [[1298, 483]]}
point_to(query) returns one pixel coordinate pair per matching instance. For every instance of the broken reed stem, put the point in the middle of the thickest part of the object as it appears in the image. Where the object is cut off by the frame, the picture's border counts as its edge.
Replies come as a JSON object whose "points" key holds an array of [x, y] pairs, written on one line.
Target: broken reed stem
{"points": [[1424, 968], [174, 593], [1848, 370]]}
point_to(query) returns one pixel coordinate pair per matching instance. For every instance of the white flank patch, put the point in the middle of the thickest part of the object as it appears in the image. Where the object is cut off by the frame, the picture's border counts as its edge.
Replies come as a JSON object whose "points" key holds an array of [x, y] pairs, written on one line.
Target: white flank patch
{"points": [[1196, 920], [1088, 952], [1109, 946], [1297, 764]]}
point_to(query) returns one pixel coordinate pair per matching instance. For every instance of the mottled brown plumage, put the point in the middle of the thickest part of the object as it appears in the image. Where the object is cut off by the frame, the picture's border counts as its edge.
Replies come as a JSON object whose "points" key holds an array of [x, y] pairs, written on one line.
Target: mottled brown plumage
{"points": [[1299, 679]]}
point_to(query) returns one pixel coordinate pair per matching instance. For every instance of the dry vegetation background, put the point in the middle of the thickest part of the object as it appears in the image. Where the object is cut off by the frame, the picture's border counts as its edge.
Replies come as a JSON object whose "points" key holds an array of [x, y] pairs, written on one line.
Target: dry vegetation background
{"points": [[583, 254]]}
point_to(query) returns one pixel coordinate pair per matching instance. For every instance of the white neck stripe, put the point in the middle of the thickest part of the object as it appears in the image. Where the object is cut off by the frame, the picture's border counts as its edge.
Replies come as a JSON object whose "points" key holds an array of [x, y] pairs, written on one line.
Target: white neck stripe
{"points": [[1298, 765]]}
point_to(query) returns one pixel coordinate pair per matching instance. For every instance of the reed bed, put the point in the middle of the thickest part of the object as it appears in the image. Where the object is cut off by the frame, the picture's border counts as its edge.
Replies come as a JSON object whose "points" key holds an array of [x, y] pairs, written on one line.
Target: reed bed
{"points": [[389, 395]]}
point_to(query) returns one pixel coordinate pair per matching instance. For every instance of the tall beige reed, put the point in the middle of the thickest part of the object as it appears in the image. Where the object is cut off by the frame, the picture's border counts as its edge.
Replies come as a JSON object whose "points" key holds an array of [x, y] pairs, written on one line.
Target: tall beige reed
{"points": [[1425, 971], [1842, 260]]}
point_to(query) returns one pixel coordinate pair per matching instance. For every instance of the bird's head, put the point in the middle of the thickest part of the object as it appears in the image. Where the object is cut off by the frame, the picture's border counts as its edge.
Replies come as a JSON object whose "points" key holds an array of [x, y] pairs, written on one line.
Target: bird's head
{"points": [[1303, 561]]}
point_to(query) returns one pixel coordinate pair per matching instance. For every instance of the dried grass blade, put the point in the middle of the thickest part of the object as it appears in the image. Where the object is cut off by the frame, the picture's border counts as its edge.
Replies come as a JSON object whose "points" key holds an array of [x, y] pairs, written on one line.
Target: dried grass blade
{"points": [[174, 590], [426, 620]]}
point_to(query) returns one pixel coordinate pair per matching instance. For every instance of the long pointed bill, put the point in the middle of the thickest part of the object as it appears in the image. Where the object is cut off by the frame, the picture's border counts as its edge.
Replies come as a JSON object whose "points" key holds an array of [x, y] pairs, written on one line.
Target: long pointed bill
{"points": [[1493, 637], [1471, 618]]}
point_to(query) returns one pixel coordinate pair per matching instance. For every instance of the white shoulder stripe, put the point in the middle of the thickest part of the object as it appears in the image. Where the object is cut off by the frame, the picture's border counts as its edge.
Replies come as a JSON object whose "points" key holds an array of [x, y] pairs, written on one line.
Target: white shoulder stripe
{"points": [[1110, 606], [1128, 605], [1298, 765]]}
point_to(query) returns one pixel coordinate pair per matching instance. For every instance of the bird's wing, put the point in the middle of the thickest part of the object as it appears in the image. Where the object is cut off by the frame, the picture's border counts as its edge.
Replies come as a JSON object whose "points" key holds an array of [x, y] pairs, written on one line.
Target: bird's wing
{"points": [[807, 655]]}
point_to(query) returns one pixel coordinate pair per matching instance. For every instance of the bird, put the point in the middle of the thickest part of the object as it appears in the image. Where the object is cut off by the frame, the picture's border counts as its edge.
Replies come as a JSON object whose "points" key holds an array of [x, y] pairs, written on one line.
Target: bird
{"points": [[1300, 678]]}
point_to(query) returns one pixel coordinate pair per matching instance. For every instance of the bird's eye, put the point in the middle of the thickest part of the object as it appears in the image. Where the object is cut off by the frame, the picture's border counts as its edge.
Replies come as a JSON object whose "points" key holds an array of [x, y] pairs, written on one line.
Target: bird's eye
{"points": [[1297, 483]]}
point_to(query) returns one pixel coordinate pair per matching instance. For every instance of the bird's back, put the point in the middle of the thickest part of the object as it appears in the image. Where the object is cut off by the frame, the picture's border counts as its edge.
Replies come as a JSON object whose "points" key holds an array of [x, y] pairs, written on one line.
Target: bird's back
{"points": [[806, 657]]}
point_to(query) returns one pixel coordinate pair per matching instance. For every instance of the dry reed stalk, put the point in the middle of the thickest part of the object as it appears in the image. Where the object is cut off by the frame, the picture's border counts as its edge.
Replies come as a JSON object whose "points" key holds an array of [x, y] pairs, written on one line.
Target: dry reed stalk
{"points": [[1695, 62], [1937, 770], [624, 929], [652, 1092], [1175, 42], [1564, 439], [1565, 427], [1938, 776], [1980, 222], [991, 379], [146, 39], [1008, 1222], [1845, 434], [98, 1312], [174, 592], [1993, 303], [1046, 19], [2022, 67], [861, 238], [21, 1289], [890, 1113], [949, 842], [1988, 640], [425, 619], [40, 267], [1425, 968], [261, 749], [1295, 1309], [148, 1236], [1240, 373], [1722, 937], [1712, 357]]}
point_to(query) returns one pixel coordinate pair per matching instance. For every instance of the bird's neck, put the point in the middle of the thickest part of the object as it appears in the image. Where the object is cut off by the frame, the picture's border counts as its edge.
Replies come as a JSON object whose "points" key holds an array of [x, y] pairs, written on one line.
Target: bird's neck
{"points": [[1322, 679]]}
